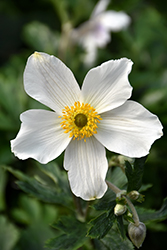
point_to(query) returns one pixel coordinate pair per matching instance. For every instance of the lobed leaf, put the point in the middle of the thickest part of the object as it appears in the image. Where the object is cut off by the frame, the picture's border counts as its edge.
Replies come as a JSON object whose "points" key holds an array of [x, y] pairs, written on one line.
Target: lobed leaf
{"points": [[135, 173], [56, 174], [41, 191], [101, 225], [72, 237], [113, 241], [120, 226], [148, 215], [104, 204]]}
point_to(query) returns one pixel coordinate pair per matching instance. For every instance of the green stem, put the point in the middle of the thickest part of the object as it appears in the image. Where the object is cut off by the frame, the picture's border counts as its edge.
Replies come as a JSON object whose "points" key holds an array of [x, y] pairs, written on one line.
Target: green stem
{"points": [[78, 206], [116, 190], [133, 210], [87, 209]]}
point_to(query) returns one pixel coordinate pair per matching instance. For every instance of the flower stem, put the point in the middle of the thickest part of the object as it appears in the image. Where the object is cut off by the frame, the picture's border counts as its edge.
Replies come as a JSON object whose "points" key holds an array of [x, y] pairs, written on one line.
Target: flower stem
{"points": [[133, 210], [116, 190], [78, 206]]}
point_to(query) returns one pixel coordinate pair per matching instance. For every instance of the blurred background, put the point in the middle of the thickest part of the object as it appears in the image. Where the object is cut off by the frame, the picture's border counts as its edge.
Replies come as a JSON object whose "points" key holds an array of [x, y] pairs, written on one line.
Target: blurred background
{"points": [[44, 25]]}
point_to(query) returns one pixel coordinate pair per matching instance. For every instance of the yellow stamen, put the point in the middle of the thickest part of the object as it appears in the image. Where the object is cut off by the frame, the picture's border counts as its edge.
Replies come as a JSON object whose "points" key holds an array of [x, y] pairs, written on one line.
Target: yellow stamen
{"points": [[80, 120]]}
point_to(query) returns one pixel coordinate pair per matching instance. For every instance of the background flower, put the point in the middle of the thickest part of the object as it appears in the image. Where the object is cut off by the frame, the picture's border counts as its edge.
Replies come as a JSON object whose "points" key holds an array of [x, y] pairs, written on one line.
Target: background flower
{"points": [[95, 33]]}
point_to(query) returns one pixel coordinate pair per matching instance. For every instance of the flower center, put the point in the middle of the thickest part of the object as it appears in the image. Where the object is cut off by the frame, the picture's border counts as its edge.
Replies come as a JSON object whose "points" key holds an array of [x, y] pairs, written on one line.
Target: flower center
{"points": [[80, 120]]}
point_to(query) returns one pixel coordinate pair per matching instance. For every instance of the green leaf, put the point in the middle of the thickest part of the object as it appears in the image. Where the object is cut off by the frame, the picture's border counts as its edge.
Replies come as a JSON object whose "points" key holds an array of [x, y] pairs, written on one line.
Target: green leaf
{"points": [[113, 241], [145, 187], [2, 188], [67, 224], [120, 225], [8, 234], [117, 177], [43, 192], [72, 237], [34, 236], [135, 173], [65, 242], [104, 204], [148, 215], [102, 224], [40, 36], [56, 174], [18, 174], [31, 211], [99, 245]]}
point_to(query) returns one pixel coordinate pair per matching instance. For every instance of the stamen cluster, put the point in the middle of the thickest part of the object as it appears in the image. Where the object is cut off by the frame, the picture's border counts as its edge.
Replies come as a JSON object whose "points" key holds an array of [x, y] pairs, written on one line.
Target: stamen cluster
{"points": [[83, 127]]}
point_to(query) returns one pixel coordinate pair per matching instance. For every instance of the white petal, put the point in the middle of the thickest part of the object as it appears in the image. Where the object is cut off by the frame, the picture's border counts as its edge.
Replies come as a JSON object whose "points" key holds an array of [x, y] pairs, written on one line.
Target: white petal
{"points": [[107, 87], [114, 21], [49, 81], [87, 167], [100, 7], [40, 136], [129, 130]]}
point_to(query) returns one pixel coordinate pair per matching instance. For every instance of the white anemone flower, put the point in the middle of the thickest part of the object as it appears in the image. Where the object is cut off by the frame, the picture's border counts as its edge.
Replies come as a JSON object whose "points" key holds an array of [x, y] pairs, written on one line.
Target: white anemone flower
{"points": [[83, 121], [95, 33]]}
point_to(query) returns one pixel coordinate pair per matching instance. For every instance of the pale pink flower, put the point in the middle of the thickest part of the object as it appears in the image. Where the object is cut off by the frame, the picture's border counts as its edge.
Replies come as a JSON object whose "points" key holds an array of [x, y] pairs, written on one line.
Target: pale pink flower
{"points": [[95, 33]]}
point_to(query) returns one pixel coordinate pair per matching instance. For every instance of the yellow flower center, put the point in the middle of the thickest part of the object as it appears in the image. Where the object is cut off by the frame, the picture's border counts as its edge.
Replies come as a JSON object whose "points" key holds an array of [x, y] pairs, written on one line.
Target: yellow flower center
{"points": [[80, 120]]}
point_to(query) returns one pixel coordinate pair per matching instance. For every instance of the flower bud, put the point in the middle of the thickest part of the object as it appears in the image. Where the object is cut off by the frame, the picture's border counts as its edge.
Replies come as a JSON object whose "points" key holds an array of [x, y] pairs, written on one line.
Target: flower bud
{"points": [[134, 195], [137, 234], [120, 194], [120, 209]]}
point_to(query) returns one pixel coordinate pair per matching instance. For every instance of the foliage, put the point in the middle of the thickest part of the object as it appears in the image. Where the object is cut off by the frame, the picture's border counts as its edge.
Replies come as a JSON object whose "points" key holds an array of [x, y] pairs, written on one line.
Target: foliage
{"points": [[134, 174], [8, 234], [38, 210], [72, 232]]}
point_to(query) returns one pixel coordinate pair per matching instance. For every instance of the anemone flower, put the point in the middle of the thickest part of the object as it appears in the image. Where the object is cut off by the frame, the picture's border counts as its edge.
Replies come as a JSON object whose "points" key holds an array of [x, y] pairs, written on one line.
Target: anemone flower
{"points": [[95, 33], [83, 121]]}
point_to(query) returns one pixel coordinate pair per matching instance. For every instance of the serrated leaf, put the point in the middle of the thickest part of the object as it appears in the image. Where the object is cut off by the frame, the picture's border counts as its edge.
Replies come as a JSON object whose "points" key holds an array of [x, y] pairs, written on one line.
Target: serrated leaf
{"points": [[58, 176], [43, 192], [120, 226], [68, 223], [102, 224], [135, 173], [64, 242], [18, 174], [113, 241], [148, 215], [99, 245], [145, 187], [104, 204], [34, 236], [73, 236]]}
